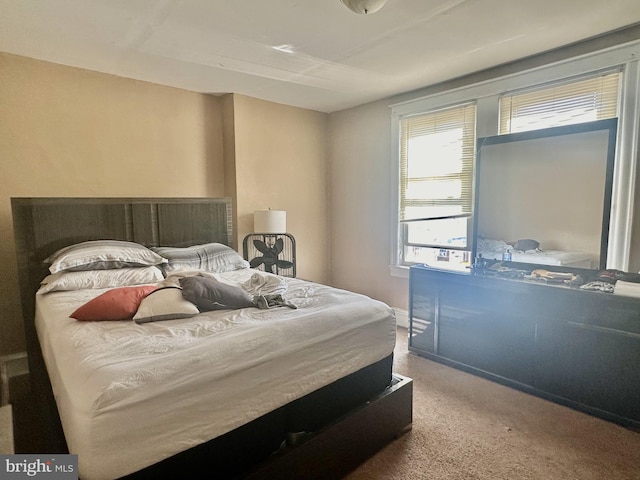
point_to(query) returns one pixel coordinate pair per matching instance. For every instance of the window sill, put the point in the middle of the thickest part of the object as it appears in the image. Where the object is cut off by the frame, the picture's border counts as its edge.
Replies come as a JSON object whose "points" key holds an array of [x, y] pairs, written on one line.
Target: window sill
{"points": [[401, 271]]}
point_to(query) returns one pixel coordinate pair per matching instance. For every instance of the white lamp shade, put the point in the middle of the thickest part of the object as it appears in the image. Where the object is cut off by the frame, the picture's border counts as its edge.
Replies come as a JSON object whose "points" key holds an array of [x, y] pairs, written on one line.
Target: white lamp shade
{"points": [[270, 221]]}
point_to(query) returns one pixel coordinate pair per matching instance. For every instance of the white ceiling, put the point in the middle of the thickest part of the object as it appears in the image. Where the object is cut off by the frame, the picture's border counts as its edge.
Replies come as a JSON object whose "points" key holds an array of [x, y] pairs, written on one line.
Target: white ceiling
{"points": [[314, 54]]}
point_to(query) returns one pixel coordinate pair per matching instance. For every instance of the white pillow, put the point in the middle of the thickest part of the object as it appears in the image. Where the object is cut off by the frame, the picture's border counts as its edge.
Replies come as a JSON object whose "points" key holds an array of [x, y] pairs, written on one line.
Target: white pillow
{"points": [[102, 255], [209, 257], [120, 277], [166, 303]]}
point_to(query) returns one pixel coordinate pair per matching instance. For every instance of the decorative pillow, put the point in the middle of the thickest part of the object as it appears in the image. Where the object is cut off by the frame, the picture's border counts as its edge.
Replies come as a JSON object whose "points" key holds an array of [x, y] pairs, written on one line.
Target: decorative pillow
{"points": [[121, 277], [102, 255], [164, 303], [210, 257], [208, 294], [117, 304]]}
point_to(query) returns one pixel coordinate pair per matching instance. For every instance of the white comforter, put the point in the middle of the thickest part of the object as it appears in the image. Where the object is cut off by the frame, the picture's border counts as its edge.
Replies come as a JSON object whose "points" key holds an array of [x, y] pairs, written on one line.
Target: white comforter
{"points": [[131, 395]]}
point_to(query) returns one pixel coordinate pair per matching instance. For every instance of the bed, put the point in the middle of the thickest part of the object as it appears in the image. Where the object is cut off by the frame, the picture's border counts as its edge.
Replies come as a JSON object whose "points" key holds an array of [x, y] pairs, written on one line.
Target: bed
{"points": [[231, 391], [493, 249]]}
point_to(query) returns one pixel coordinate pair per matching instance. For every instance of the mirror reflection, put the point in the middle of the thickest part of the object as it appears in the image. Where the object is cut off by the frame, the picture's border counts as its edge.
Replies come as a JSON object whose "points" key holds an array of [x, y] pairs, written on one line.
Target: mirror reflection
{"points": [[544, 197]]}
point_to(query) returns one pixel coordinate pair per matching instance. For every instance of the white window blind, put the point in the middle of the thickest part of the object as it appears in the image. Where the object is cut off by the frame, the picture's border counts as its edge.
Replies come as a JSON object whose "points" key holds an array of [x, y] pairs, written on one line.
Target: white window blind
{"points": [[585, 100], [436, 163]]}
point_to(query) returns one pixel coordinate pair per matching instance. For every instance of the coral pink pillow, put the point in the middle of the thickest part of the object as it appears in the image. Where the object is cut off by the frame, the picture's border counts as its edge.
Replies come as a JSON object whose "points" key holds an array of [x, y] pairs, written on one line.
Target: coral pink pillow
{"points": [[116, 304]]}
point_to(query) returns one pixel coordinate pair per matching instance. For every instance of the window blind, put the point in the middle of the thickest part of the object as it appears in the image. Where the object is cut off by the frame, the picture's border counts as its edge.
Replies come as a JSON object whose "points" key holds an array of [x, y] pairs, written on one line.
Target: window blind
{"points": [[584, 100], [436, 163]]}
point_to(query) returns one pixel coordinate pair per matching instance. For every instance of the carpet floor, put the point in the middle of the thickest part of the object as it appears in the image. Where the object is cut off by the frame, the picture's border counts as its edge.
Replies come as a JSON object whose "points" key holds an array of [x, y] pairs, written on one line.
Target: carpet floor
{"points": [[6, 431], [467, 427]]}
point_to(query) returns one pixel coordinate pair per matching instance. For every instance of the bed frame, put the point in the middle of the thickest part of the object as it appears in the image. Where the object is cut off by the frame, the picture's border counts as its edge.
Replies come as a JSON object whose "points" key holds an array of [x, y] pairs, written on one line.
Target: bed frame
{"points": [[370, 407]]}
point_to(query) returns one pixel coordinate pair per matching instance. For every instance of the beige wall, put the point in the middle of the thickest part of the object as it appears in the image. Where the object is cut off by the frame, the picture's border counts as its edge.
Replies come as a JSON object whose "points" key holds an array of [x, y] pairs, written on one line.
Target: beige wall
{"points": [[280, 163], [72, 132], [360, 166]]}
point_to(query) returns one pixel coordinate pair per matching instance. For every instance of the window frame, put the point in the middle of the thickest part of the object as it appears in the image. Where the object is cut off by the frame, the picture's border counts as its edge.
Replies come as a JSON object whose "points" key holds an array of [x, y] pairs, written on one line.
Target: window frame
{"points": [[557, 88], [466, 174], [487, 94]]}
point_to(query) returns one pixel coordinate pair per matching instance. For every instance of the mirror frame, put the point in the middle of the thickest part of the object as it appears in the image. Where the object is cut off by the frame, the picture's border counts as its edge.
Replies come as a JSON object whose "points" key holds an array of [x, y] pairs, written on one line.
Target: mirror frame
{"points": [[608, 125]]}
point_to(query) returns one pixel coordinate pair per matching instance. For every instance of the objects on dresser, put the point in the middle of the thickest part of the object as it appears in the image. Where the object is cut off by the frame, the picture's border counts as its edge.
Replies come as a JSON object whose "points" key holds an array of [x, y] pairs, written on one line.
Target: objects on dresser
{"points": [[552, 277], [628, 289], [615, 281]]}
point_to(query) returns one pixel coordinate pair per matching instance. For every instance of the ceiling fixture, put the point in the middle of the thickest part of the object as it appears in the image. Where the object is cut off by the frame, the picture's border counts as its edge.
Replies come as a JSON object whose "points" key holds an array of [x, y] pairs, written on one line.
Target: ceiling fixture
{"points": [[364, 7]]}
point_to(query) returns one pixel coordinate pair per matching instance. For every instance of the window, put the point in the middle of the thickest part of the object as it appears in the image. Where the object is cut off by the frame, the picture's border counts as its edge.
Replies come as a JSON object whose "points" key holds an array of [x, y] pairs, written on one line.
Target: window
{"points": [[429, 179], [436, 178], [564, 103]]}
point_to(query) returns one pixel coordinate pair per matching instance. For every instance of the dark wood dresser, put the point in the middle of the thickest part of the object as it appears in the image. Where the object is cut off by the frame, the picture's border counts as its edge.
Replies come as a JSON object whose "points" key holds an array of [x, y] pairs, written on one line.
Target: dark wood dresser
{"points": [[576, 347]]}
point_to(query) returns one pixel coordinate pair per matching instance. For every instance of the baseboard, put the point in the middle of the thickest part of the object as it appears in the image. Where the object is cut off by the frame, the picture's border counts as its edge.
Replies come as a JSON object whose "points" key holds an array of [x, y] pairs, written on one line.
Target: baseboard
{"points": [[16, 363], [11, 366], [402, 317]]}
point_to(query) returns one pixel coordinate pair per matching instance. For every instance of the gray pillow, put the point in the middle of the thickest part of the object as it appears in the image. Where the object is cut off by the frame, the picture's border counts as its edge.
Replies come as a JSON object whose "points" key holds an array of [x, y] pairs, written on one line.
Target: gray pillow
{"points": [[102, 255], [209, 257], [208, 294]]}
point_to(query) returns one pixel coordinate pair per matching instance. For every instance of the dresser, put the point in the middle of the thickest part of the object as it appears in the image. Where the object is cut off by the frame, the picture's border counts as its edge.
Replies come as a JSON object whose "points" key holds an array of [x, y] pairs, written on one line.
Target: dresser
{"points": [[575, 347]]}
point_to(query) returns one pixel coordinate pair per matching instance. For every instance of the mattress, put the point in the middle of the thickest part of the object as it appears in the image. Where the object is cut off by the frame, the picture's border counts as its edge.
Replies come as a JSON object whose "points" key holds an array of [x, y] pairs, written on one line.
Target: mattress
{"points": [[493, 250], [130, 395], [546, 257]]}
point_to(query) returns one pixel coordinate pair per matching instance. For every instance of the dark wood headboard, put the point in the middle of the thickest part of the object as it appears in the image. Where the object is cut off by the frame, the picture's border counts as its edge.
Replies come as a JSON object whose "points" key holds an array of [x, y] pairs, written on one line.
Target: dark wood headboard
{"points": [[44, 225]]}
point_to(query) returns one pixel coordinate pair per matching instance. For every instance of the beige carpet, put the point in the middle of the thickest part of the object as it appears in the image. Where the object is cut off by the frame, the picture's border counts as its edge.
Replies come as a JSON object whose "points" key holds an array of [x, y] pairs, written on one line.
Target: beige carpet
{"points": [[6, 430], [466, 427]]}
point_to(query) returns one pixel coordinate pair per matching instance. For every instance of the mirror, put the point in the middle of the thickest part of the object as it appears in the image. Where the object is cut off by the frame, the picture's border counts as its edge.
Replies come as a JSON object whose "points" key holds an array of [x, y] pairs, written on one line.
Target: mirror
{"points": [[552, 186]]}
